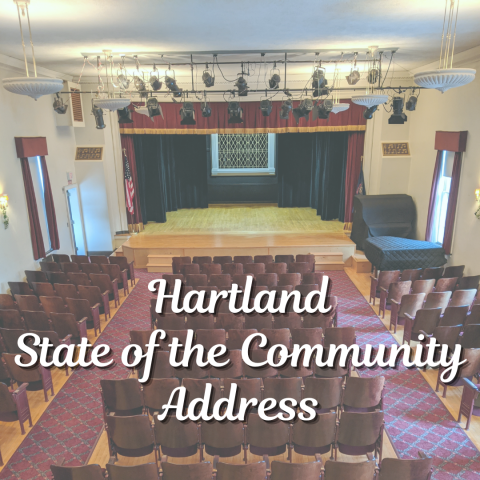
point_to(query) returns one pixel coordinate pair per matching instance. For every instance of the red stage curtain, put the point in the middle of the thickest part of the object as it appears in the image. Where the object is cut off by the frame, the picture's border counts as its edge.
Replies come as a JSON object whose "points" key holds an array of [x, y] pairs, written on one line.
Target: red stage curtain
{"points": [[253, 121], [452, 203], [433, 196], [135, 222], [354, 165], [35, 229], [50, 207]]}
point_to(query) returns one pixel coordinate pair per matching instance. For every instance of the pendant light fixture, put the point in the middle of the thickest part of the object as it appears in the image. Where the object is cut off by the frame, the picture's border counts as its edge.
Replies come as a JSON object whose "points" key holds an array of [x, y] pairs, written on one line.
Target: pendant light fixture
{"points": [[34, 87], [337, 106], [445, 76]]}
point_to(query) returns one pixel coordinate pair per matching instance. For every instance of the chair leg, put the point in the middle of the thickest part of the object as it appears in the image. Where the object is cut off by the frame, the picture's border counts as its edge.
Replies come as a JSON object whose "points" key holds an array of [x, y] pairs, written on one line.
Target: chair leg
{"points": [[444, 391]]}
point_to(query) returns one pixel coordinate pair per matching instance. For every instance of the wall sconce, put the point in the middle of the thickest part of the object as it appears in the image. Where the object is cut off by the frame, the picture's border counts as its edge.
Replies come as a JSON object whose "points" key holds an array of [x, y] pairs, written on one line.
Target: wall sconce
{"points": [[477, 194], [3, 209]]}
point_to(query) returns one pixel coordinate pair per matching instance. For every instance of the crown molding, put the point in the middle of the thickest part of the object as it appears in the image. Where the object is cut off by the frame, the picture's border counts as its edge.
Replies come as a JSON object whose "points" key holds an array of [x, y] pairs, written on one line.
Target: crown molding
{"points": [[18, 66]]}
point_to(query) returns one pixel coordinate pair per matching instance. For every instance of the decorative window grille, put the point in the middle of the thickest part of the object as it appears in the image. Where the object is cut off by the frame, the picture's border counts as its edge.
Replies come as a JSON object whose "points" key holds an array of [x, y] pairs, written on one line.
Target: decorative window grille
{"points": [[243, 154]]}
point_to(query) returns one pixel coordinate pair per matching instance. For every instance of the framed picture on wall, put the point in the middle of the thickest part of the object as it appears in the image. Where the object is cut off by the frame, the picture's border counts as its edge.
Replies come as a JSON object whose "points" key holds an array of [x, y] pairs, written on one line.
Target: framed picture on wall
{"points": [[395, 149], [91, 153]]}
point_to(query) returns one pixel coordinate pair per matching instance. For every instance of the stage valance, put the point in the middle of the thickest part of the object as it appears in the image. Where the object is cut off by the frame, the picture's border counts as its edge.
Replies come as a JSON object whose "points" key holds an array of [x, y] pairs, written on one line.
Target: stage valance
{"points": [[350, 120]]}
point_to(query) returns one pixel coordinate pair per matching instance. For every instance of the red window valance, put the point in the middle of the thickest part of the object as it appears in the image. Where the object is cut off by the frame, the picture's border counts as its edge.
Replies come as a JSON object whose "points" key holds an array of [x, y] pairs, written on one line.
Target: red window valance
{"points": [[31, 147], [350, 120], [451, 141]]}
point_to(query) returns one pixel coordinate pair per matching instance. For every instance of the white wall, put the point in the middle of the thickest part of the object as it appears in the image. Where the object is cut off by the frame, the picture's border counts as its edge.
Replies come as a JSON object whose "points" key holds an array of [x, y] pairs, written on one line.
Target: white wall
{"points": [[24, 117], [456, 110]]}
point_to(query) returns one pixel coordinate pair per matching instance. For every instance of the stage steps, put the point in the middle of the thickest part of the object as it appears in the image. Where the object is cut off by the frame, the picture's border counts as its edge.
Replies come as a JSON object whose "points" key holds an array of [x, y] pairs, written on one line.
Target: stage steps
{"points": [[159, 263], [329, 261]]}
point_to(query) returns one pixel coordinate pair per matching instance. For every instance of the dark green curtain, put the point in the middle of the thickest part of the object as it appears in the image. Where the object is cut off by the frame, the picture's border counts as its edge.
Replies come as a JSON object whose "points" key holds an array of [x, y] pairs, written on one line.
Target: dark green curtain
{"points": [[311, 172], [172, 173]]}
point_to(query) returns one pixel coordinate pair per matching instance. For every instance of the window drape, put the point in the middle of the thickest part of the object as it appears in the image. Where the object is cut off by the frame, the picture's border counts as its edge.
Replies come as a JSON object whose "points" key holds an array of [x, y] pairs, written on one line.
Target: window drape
{"points": [[134, 220], [172, 174], [49, 207], [433, 196], [452, 203], [312, 171], [35, 229]]}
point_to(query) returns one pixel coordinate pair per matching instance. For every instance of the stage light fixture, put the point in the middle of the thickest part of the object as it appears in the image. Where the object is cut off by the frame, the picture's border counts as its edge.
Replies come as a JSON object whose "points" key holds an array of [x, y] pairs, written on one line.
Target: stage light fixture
{"points": [[123, 81], [206, 110], [411, 105], [154, 108], [303, 110], [59, 106], [242, 86], [274, 81], [372, 76], [353, 78], [124, 115], [319, 82], [397, 117], [207, 78], [368, 113], [171, 84], [285, 109], [266, 107], [139, 84], [155, 83], [323, 110], [98, 114], [187, 113], [235, 112]]}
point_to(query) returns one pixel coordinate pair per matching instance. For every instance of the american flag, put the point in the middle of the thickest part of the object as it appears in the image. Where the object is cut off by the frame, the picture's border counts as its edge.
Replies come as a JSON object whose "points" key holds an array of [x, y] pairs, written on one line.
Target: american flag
{"points": [[129, 190]]}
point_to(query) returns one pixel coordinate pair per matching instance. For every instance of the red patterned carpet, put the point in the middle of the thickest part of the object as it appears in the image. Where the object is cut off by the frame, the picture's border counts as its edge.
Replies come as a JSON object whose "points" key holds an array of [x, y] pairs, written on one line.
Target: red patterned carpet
{"points": [[416, 418]]}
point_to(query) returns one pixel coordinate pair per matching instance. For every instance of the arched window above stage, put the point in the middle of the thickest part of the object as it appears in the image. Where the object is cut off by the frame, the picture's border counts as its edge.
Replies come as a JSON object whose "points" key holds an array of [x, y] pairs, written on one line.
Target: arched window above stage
{"points": [[243, 154]]}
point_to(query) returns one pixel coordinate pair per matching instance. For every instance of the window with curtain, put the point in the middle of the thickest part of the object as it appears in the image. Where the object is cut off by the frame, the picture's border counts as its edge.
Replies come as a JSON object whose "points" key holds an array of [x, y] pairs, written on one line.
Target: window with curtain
{"points": [[243, 154], [39, 187], [442, 197]]}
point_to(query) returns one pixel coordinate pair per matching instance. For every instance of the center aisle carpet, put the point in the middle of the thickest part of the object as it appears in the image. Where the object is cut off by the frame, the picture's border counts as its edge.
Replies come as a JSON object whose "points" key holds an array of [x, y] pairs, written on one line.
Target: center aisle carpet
{"points": [[416, 419]]}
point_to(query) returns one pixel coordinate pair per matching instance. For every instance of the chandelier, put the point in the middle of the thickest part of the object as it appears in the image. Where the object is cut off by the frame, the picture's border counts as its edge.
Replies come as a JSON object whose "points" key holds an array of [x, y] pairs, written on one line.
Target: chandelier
{"points": [[34, 87], [445, 76]]}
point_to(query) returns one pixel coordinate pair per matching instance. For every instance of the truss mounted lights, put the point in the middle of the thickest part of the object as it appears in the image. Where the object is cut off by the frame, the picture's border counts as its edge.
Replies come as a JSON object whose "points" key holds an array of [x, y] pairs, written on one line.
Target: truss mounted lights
{"points": [[98, 114], [154, 82], [368, 113], [319, 82], [266, 107], [235, 112], [124, 115], [303, 110], [171, 84], [208, 78], [206, 110], [154, 108], [354, 76], [59, 106], [446, 77], [187, 112], [274, 81], [242, 86], [397, 117], [373, 75], [411, 104], [139, 84], [323, 110], [285, 109]]}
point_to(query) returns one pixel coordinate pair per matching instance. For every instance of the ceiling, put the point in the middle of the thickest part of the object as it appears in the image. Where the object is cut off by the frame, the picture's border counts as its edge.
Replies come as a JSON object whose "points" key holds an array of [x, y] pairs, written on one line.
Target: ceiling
{"points": [[64, 29]]}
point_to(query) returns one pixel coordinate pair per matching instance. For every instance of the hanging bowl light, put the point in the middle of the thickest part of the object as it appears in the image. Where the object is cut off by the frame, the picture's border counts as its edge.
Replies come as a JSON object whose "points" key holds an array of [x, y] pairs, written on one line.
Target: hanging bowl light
{"points": [[34, 87], [369, 99], [339, 107], [445, 76], [112, 104]]}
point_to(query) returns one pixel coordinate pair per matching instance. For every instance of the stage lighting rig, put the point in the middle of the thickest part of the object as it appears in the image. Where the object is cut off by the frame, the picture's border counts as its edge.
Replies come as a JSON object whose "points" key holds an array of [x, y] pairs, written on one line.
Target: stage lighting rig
{"points": [[411, 105], [59, 106], [235, 112], [154, 108], [155, 83], [285, 109], [368, 113], [323, 110], [208, 78], [303, 110], [266, 107], [98, 114], [139, 84], [242, 86], [206, 110], [274, 81], [319, 82], [397, 117], [187, 113], [124, 115], [372, 76], [171, 84]]}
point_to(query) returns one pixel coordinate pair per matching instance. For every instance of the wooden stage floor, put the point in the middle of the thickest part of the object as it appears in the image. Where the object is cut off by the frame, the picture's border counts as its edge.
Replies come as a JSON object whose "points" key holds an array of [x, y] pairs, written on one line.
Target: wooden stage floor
{"points": [[234, 230]]}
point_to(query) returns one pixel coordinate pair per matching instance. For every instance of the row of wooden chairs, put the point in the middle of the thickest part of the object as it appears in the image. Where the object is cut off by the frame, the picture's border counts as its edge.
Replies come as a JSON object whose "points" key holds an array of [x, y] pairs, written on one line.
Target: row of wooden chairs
{"points": [[128, 397], [390, 469]]}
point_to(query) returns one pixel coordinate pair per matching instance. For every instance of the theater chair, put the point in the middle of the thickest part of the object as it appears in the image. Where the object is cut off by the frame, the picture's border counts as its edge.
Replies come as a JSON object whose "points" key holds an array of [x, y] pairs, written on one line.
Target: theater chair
{"points": [[145, 471], [122, 397], [14, 405], [121, 277], [80, 259], [280, 388], [245, 259], [247, 388], [11, 319], [254, 269], [177, 439], [106, 284], [37, 320], [232, 269], [229, 321], [65, 324], [195, 471], [316, 437], [84, 472], [412, 274], [156, 393], [50, 267], [78, 279], [177, 261], [95, 297], [432, 273], [66, 290], [19, 288], [454, 271], [384, 279], [465, 283], [222, 259], [284, 259], [54, 340], [363, 394], [462, 297], [53, 305], [70, 267], [395, 291], [7, 302], [408, 304], [124, 264], [9, 339], [36, 378], [28, 302], [446, 284], [60, 258], [223, 439], [425, 319], [201, 260], [252, 471], [454, 316], [277, 268], [406, 469], [437, 300], [82, 309], [327, 391], [423, 286], [35, 276], [99, 259], [342, 470], [44, 289]]}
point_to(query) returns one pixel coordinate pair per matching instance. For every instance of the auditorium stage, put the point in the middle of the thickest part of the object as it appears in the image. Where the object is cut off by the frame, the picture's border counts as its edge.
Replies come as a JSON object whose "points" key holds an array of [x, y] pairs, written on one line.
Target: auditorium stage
{"points": [[240, 230]]}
